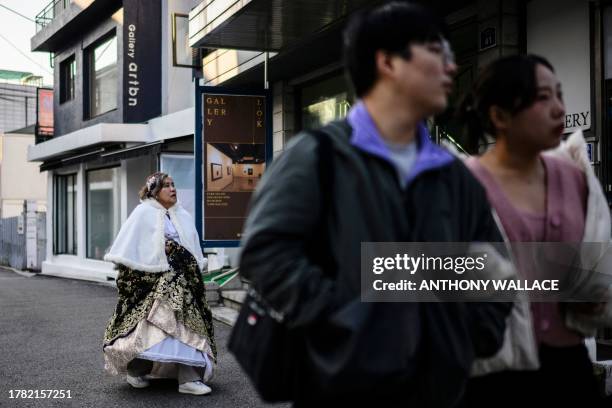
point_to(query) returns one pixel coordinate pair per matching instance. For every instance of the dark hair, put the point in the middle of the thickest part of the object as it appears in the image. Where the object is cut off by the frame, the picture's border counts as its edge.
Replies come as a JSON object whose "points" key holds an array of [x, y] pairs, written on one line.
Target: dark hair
{"points": [[392, 27], [153, 184], [509, 83]]}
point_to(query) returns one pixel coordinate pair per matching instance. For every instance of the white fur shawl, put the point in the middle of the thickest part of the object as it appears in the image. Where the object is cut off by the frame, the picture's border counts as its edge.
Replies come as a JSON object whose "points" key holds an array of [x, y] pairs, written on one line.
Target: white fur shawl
{"points": [[140, 243], [597, 256]]}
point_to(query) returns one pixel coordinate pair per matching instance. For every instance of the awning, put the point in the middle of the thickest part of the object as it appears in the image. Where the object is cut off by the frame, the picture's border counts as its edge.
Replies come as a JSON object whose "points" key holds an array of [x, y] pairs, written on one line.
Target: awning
{"points": [[8, 75], [110, 135], [262, 24], [83, 140], [133, 151], [69, 160], [105, 155]]}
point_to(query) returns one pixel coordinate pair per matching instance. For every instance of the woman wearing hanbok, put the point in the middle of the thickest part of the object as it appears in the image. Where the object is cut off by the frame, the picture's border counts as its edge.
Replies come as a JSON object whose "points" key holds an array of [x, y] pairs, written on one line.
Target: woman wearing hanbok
{"points": [[162, 325]]}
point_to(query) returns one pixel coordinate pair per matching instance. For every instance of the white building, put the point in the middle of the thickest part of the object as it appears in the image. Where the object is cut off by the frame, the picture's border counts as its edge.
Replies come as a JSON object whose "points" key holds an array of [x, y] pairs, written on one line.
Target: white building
{"points": [[20, 180]]}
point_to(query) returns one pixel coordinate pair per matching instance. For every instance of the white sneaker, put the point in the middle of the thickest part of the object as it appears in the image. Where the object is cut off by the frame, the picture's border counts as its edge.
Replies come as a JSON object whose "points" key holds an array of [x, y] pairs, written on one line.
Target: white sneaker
{"points": [[137, 382], [195, 388]]}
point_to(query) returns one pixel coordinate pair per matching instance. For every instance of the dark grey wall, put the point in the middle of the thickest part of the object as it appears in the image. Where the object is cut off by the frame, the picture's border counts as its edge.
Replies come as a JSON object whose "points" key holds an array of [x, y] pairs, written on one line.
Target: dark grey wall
{"points": [[146, 17], [70, 115]]}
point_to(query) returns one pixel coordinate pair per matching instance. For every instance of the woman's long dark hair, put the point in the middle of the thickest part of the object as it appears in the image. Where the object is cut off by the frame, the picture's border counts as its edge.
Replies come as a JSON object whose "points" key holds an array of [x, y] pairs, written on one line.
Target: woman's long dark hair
{"points": [[509, 83]]}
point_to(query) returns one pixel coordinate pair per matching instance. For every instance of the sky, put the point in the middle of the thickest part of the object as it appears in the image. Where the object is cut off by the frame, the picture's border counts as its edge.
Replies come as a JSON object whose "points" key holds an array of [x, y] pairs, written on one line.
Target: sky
{"points": [[19, 31]]}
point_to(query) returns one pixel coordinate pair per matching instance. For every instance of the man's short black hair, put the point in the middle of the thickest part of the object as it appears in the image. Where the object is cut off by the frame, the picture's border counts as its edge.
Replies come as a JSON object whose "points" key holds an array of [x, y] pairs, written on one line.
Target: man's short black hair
{"points": [[392, 27]]}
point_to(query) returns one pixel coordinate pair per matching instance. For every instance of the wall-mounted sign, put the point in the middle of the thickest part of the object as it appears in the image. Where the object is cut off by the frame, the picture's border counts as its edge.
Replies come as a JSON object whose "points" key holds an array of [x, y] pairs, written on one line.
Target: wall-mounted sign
{"points": [[580, 120], [488, 38], [141, 60], [44, 111], [590, 146], [44, 115], [234, 133]]}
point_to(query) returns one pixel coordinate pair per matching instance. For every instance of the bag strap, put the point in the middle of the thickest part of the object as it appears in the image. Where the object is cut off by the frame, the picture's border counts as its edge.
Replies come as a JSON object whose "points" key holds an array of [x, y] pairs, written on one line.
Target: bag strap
{"points": [[325, 171], [325, 157], [342, 129], [325, 163]]}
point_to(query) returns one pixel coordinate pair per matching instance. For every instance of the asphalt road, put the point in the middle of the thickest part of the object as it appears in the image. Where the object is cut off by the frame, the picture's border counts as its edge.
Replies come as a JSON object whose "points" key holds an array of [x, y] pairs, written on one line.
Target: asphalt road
{"points": [[51, 338]]}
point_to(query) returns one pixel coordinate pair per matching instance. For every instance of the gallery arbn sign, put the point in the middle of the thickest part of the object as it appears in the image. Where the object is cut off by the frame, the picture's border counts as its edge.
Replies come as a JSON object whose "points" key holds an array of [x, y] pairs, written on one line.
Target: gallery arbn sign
{"points": [[141, 60]]}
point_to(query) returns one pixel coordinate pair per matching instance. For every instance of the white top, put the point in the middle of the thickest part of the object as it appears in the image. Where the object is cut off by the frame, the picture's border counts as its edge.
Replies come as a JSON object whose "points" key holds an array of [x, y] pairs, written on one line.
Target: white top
{"points": [[170, 231], [403, 157]]}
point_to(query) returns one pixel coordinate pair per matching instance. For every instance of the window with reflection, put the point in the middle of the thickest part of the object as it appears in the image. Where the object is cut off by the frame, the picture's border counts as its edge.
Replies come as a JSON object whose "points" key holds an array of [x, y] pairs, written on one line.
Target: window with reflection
{"points": [[324, 101], [103, 78], [64, 214], [182, 54], [103, 210]]}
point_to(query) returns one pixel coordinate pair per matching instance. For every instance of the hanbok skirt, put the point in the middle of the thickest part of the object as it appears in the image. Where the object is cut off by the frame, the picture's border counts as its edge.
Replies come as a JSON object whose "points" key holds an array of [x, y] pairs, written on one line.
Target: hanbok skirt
{"points": [[162, 317]]}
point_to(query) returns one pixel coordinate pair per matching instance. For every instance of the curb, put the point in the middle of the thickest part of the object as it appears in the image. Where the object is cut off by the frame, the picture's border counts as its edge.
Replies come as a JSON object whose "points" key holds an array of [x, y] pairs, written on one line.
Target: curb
{"points": [[224, 314], [18, 272]]}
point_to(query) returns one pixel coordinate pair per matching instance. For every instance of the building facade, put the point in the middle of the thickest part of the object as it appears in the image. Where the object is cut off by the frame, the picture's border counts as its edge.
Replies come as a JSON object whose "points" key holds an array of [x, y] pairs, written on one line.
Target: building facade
{"points": [[123, 104], [295, 47], [304, 66], [20, 181], [125, 73], [17, 99]]}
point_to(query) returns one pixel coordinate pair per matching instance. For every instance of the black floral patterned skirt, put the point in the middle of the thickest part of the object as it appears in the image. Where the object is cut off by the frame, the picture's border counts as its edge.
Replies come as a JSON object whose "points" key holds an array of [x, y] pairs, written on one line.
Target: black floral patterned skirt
{"points": [[155, 306]]}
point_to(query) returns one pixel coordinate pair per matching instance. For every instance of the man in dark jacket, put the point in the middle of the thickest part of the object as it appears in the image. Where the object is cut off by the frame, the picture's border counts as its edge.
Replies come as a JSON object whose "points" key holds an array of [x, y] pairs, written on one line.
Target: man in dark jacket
{"points": [[388, 183]]}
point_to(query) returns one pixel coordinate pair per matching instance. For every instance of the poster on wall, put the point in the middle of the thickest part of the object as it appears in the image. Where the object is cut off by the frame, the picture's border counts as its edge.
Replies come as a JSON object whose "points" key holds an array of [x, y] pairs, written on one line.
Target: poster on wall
{"points": [[44, 113], [234, 150]]}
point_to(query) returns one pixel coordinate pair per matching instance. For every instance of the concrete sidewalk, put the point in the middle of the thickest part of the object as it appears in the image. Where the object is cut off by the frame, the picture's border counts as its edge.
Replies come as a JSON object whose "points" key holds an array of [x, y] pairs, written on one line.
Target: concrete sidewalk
{"points": [[51, 338]]}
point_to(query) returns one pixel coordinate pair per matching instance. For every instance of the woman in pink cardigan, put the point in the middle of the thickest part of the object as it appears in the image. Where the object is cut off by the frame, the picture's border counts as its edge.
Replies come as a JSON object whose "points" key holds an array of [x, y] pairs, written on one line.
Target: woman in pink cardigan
{"points": [[538, 197]]}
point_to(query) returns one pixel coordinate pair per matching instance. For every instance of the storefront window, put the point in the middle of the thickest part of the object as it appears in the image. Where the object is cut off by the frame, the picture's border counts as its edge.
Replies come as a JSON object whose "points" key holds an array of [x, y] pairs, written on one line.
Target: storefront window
{"points": [[64, 226], [103, 213], [181, 167], [325, 101]]}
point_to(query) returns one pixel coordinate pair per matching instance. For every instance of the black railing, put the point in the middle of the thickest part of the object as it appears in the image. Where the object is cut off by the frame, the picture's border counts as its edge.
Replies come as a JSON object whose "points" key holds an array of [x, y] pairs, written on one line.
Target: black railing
{"points": [[441, 136], [51, 10]]}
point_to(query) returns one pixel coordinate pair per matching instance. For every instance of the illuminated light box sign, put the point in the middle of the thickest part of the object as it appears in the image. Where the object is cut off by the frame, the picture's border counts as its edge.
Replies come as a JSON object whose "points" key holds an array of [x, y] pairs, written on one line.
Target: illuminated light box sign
{"points": [[234, 149]]}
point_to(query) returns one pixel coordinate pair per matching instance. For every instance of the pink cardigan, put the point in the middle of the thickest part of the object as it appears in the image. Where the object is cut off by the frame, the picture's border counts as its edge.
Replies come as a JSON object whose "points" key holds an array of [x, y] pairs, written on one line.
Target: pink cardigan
{"points": [[566, 198]]}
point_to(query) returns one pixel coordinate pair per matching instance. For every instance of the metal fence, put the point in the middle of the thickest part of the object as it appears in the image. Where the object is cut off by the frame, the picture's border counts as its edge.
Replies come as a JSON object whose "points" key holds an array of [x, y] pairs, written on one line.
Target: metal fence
{"points": [[50, 11], [13, 248]]}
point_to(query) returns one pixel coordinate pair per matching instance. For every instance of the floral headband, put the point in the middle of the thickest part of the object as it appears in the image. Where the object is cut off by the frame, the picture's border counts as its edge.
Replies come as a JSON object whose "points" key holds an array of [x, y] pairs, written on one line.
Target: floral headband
{"points": [[154, 180]]}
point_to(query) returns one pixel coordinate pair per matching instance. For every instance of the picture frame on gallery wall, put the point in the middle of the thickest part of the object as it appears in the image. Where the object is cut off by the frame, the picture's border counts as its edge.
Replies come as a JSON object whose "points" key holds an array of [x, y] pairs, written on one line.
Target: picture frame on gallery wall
{"points": [[216, 171]]}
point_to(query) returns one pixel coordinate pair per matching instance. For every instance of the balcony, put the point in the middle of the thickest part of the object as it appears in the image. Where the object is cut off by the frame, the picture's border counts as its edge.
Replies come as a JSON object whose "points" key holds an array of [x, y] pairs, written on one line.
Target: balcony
{"points": [[52, 9], [61, 21]]}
